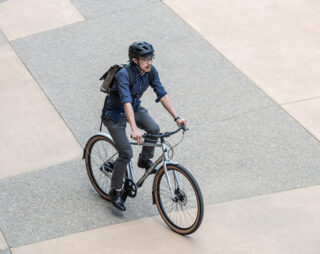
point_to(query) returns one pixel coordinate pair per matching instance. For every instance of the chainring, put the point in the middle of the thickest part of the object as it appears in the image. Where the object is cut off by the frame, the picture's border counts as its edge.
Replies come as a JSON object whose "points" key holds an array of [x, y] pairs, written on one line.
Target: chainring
{"points": [[130, 188]]}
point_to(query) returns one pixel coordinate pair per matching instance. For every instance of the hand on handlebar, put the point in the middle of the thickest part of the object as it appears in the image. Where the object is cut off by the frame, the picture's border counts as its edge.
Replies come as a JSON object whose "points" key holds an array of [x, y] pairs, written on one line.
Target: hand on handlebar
{"points": [[137, 135], [182, 121]]}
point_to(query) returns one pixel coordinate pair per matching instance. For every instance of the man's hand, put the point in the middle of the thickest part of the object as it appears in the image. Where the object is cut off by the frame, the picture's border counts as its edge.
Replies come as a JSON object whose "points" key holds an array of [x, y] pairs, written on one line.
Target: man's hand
{"points": [[181, 121], [137, 135]]}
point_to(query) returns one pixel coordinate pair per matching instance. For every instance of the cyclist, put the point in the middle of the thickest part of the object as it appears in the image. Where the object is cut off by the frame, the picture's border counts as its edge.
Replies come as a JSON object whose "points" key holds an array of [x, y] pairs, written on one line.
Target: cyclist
{"points": [[123, 105]]}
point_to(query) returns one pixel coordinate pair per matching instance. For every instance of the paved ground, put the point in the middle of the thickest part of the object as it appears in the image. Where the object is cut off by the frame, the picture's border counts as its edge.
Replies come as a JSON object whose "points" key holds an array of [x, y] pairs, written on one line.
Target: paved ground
{"points": [[255, 163]]}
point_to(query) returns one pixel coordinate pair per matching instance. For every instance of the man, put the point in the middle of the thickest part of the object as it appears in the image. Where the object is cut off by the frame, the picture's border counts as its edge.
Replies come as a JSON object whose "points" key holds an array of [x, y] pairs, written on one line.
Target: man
{"points": [[123, 105]]}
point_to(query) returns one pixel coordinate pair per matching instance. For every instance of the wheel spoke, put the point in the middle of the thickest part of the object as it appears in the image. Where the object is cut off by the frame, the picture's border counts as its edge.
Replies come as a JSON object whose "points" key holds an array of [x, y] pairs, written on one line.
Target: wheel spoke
{"points": [[100, 151], [184, 213]]}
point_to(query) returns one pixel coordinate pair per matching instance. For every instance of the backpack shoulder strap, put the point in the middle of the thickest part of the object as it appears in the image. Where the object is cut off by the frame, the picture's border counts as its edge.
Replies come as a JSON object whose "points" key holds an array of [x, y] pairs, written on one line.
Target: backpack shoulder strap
{"points": [[151, 76], [132, 78]]}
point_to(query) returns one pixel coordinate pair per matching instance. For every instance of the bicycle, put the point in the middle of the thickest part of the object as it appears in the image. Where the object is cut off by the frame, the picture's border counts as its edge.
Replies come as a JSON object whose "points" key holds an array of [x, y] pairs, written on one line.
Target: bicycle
{"points": [[175, 191]]}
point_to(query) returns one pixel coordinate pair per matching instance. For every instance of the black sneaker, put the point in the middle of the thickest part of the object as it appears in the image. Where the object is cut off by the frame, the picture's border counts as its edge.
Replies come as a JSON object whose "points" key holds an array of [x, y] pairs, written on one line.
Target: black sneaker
{"points": [[117, 200], [146, 164]]}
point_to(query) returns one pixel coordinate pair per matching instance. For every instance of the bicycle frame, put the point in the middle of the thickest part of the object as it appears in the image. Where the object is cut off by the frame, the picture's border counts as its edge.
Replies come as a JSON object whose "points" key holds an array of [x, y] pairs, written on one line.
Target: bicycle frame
{"points": [[181, 210], [156, 166]]}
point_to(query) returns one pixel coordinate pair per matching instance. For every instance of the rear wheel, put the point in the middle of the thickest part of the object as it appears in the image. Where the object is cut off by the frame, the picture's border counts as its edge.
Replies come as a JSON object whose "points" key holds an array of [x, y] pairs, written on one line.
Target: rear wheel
{"points": [[100, 155], [182, 212]]}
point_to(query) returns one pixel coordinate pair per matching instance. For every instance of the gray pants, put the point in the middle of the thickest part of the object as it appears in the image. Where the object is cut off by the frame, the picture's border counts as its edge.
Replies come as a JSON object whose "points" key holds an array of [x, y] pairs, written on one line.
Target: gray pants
{"points": [[118, 133]]}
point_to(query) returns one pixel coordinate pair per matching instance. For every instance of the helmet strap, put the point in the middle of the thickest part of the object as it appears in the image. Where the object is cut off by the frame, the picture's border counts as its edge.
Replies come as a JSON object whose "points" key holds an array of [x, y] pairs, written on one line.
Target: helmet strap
{"points": [[138, 64]]}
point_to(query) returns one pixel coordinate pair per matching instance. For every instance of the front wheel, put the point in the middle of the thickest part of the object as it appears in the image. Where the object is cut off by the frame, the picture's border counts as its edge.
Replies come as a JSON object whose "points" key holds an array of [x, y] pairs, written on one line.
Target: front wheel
{"points": [[183, 210]]}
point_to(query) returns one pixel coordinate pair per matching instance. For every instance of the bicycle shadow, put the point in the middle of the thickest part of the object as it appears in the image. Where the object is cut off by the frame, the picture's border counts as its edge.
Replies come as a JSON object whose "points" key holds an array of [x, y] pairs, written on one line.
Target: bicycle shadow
{"points": [[115, 212]]}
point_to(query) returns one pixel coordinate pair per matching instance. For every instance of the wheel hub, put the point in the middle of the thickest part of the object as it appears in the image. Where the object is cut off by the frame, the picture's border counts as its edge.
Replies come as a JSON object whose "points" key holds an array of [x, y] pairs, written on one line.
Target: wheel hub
{"points": [[107, 168], [180, 197]]}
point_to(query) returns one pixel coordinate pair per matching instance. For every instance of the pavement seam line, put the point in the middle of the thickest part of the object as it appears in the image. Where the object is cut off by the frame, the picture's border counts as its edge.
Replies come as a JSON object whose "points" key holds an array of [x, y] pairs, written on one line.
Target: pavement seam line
{"points": [[4, 237], [48, 98], [302, 100], [308, 131], [4, 36], [83, 16], [243, 114], [241, 72], [44, 168], [158, 215], [111, 13], [49, 30], [84, 19], [221, 54]]}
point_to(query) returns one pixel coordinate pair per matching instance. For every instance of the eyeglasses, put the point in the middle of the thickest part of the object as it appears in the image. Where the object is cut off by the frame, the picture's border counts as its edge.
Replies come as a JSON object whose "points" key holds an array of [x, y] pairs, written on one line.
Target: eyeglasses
{"points": [[148, 59]]}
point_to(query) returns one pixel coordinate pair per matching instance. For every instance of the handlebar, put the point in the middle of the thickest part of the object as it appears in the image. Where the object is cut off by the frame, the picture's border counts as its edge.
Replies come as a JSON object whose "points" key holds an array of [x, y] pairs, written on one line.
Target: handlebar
{"points": [[165, 134]]}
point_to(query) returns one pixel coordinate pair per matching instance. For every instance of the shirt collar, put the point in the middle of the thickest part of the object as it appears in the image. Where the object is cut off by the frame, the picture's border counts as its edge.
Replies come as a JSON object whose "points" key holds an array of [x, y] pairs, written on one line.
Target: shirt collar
{"points": [[135, 69]]}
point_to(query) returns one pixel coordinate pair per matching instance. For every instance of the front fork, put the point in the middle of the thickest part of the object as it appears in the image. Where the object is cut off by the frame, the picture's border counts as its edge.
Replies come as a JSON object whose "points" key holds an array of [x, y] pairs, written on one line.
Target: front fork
{"points": [[176, 179], [166, 162]]}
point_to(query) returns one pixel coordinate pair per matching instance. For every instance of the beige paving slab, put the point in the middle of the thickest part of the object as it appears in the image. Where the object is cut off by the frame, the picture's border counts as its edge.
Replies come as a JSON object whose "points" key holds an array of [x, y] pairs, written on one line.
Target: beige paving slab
{"points": [[307, 113], [275, 43], [280, 223], [3, 243], [32, 134], [20, 18]]}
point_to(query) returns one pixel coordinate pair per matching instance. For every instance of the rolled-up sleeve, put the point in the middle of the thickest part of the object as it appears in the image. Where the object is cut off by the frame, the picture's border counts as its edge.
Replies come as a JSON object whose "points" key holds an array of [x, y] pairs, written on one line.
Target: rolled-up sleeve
{"points": [[123, 86], [157, 85]]}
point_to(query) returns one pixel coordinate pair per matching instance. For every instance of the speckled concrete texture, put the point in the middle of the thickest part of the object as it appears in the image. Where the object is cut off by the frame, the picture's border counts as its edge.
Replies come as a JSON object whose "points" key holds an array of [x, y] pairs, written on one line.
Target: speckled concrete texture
{"points": [[7, 251], [60, 201], [278, 223], [275, 44], [240, 144], [97, 8], [73, 58]]}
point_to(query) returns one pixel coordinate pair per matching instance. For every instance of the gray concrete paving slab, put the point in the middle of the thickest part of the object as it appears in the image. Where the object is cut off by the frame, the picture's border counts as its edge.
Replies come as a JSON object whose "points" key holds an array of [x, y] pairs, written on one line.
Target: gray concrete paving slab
{"points": [[68, 62], [260, 152], [249, 155], [59, 201], [7, 251], [279, 223], [97, 8], [241, 143], [2, 38]]}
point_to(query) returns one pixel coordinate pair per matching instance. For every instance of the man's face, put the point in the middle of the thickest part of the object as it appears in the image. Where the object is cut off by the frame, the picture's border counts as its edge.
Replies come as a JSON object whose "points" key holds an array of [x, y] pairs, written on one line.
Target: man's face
{"points": [[145, 63]]}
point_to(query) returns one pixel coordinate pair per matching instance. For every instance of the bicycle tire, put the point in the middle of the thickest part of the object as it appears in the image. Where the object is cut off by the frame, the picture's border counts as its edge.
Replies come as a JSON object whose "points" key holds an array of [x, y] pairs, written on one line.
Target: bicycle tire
{"points": [[162, 197], [103, 150]]}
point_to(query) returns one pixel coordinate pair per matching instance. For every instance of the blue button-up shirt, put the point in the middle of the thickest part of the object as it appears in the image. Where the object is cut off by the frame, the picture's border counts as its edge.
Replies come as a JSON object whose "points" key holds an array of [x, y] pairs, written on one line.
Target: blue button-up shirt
{"points": [[114, 103]]}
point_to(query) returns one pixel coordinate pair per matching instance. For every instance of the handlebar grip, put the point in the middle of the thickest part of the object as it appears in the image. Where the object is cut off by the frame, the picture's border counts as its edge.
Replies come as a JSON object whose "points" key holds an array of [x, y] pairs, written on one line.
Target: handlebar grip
{"points": [[183, 127]]}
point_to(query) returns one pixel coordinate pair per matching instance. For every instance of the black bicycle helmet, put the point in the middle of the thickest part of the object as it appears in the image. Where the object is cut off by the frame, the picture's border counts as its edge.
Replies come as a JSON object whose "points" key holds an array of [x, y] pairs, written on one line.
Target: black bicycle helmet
{"points": [[140, 48]]}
